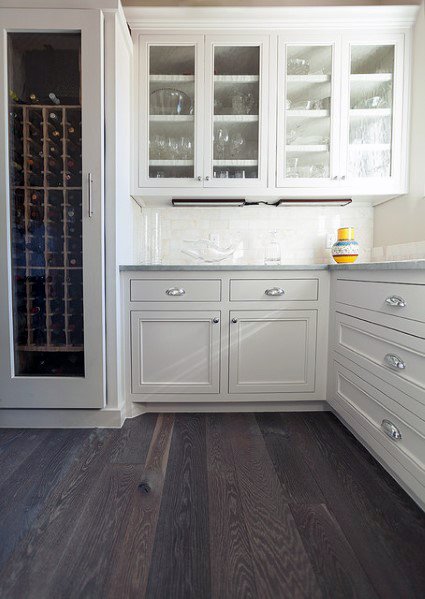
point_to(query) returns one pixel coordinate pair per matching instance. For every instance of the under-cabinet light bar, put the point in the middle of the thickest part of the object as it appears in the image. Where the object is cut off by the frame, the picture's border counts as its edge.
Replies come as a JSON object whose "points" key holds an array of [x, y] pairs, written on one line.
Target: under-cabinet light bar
{"points": [[318, 202], [214, 202]]}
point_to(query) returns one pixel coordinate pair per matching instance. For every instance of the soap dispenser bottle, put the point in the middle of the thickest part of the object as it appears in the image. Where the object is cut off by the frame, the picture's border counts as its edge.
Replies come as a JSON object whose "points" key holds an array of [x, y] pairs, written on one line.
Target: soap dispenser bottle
{"points": [[272, 250]]}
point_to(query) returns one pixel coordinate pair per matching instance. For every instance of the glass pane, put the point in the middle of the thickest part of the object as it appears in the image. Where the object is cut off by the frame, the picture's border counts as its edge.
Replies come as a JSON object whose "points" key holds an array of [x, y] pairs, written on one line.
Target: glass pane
{"points": [[371, 99], [236, 111], [171, 112], [308, 111], [46, 199]]}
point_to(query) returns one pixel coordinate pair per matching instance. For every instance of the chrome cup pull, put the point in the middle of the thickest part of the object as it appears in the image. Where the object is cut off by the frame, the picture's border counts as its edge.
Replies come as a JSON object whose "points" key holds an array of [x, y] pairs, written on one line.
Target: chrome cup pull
{"points": [[395, 301], [391, 430], [275, 291], [175, 291], [394, 362]]}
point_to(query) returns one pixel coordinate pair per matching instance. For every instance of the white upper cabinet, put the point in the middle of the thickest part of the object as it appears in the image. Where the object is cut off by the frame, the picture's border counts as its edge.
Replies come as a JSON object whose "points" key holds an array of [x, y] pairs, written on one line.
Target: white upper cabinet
{"points": [[265, 104]]}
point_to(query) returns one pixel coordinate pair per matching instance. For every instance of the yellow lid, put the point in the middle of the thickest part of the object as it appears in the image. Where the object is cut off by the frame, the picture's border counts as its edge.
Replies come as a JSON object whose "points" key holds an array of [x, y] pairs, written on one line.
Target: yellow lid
{"points": [[346, 234]]}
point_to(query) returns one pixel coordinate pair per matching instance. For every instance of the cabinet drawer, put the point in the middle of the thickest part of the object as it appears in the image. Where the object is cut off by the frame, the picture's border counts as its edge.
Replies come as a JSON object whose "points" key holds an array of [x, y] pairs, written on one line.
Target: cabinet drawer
{"points": [[175, 290], [404, 439], [398, 299], [274, 290], [394, 356]]}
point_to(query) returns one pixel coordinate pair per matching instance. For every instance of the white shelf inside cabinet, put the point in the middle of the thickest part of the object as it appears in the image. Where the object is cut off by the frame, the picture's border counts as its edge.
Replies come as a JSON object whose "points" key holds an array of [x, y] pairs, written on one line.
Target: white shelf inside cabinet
{"points": [[236, 78], [373, 77], [171, 162], [172, 78], [171, 118], [308, 114], [307, 148], [370, 147], [235, 118], [235, 162], [308, 78], [370, 112]]}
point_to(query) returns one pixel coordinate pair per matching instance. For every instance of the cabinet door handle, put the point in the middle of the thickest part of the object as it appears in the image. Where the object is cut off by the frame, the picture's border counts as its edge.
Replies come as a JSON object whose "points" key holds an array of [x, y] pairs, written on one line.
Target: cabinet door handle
{"points": [[216, 320], [394, 362], [199, 178], [207, 178], [391, 430], [234, 320], [89, 194], [275, 291], [396, 301], [175, 291]]}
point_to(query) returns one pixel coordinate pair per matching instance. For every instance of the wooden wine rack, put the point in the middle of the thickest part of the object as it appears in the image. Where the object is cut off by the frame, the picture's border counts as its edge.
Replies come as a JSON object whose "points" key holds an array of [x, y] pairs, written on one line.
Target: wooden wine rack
{"points": [[47, 190]]}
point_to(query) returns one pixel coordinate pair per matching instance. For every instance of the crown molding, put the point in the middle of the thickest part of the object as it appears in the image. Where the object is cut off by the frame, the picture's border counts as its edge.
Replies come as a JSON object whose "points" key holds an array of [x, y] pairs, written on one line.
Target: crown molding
{"points": [[308, 17]]}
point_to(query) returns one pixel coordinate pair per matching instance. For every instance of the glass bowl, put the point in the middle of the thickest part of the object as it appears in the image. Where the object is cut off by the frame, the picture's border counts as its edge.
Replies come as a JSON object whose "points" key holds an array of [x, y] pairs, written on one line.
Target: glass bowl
{"points": [[170, 101]]}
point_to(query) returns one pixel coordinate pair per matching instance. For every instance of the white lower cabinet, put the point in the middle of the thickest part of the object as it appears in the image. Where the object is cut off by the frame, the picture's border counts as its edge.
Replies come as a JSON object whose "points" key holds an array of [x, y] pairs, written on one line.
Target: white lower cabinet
{"points": [[175, 352], [272, 352]]}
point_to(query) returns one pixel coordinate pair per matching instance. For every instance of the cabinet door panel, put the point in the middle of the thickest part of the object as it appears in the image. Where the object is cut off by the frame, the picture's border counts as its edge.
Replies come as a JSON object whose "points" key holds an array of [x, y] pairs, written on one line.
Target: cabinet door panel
{"points": [[175, 352], [170, 105], [236, 121], [53, 232], [272, 352]]}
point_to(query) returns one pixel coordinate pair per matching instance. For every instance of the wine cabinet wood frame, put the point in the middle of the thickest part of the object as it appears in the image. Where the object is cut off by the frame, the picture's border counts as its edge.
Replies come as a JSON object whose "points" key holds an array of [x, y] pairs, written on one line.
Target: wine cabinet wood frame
{"points": [[67, 391]]}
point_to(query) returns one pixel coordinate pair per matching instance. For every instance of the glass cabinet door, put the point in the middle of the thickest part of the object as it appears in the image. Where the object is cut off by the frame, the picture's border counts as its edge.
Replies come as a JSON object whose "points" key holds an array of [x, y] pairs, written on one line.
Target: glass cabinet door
{"points": [[51, 224], [305, 131], [236, 112], [370, 111], [172, 108]]}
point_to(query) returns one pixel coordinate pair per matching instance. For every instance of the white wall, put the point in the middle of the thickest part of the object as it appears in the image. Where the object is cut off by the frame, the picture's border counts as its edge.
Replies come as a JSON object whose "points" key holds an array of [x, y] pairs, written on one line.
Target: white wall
{"points": [[402, 221]]}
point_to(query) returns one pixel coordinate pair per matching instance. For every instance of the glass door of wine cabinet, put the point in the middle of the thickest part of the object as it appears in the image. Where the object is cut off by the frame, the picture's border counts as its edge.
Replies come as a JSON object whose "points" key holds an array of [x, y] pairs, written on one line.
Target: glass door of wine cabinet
{"points": [[308, 119], [172, 104], [374, 102], [237, 81], [53, 213]]}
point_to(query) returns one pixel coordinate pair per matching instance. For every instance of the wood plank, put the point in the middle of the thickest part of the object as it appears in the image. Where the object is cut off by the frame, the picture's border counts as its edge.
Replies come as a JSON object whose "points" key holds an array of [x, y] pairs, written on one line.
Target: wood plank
{"points": [[24, 575], [86, 561], [131, 560], [180, 560], [376, 544], [337, 569], [296, 479], [134, 440], [16, 445], [232, 571], [282, 566], [23, 496]]}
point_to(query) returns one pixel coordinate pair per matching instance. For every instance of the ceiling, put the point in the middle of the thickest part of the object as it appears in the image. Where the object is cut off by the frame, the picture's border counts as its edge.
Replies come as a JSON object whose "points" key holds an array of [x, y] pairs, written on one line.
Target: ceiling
{"points": [[262, 3]]}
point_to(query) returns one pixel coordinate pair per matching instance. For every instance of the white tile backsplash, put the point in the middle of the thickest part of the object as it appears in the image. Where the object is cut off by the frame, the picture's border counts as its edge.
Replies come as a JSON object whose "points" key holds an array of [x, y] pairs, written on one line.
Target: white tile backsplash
{"points": [[302, 231], [401, 251]]}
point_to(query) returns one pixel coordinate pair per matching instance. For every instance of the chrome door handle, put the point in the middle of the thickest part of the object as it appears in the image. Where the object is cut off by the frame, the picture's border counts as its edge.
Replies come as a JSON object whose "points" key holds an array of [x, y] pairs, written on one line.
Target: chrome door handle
{"points": [[216, 320], [207, 178], [391, 430], [89, 194], [396, 301], [394, 362], [175, 291], [199, 178], [275, 291], [234, 320]]}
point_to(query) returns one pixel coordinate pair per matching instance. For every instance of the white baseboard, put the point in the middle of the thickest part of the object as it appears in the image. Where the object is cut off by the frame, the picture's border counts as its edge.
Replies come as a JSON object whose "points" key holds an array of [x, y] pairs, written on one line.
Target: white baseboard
{"points": [[263, 406], [107, 418]]}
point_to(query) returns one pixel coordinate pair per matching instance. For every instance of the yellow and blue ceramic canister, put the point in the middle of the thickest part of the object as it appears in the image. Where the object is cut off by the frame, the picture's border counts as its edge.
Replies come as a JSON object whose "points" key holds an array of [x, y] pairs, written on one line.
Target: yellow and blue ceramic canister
{"points": [[346, 249]]}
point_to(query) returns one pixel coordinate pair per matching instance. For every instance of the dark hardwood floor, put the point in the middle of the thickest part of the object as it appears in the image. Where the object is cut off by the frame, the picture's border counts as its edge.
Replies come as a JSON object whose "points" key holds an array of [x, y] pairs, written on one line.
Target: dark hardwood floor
{"points": [[198, 506]]}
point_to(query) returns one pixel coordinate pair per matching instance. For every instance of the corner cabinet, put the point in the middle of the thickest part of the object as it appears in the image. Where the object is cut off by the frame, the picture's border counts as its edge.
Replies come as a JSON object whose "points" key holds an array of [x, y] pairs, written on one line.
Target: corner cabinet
{"points": [[51, 213], [203, 111], [278, 111]]}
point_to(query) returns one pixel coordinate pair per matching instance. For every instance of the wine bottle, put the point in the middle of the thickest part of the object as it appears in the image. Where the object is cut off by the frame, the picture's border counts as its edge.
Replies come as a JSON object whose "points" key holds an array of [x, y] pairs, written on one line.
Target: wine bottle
{"points": [[14, 97], [53, 97], [34, 99]]}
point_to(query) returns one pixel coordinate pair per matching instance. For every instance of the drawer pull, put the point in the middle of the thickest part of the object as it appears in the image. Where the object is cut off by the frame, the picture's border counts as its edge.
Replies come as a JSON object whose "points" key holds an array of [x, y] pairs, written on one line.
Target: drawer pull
{"points": [[396, 301], [391, 430], [175, 291], [394, 362], [275, 291]]}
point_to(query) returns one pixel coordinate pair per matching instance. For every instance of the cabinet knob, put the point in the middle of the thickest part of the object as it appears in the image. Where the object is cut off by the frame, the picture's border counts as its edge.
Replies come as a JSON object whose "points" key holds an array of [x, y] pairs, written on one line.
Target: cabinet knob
{"points": [[207, 178], [199, 178], [275, 291], [216, 320], [234, 320], [175, 291], [394, 362], [396, 301], [343, 178], [335, 178], [391, 430]]}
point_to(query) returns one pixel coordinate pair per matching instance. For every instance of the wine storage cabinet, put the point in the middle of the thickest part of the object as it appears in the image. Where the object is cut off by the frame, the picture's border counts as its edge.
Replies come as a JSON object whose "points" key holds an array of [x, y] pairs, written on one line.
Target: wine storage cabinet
{"points": [[46, 222]]}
